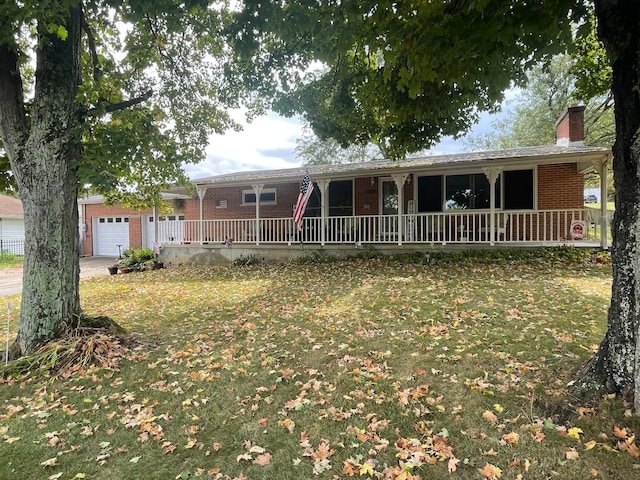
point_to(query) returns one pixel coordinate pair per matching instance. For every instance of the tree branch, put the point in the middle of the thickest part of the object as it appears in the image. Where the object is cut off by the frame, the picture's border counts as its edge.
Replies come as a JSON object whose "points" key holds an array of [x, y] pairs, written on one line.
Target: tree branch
{"points": [[13, 118], [97, 73], [114, 107]]}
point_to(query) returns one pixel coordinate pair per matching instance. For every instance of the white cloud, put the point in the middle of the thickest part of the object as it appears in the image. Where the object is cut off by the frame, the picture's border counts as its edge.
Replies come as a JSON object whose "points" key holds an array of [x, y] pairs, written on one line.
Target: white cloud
{"points": [[266, 143], [269, 143]]}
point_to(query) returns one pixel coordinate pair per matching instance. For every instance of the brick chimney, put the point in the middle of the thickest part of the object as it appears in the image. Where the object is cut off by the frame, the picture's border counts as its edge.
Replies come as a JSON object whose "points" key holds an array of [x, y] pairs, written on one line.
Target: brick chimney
{"points": [[570, 127]]}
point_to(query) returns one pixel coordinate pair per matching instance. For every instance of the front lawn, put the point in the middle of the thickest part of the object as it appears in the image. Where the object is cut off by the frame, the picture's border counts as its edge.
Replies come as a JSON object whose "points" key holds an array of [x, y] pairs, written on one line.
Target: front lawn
{"points": [[368, 369]]}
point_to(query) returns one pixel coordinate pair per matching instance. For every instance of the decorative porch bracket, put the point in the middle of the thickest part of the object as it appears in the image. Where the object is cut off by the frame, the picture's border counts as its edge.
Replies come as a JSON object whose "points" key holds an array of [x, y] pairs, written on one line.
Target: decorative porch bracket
{"points": [[492, 174]]}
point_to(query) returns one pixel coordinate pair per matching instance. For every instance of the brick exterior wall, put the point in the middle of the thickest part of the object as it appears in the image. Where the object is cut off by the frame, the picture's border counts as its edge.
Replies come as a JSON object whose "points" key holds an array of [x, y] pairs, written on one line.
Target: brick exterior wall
{"points": [[286, 198], [91, 211], [366, 194], [560, 187]]}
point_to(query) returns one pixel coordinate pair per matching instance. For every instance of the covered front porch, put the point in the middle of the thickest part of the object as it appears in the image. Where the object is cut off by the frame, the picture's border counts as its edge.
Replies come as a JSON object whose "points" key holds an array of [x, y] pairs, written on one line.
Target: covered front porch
{"points": [[518, 227]]}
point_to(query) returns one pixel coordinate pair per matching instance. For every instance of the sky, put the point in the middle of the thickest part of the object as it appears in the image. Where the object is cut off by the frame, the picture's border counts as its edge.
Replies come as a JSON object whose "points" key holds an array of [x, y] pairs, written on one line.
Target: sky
{"points": [[269, 142]]}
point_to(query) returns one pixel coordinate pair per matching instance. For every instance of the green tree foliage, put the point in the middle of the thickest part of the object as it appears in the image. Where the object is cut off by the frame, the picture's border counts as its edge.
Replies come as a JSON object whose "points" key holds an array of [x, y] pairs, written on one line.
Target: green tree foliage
{"points": [[591, 67], [396, 74], [315, 151], [7, 180], [109, 95], [532, 115]]}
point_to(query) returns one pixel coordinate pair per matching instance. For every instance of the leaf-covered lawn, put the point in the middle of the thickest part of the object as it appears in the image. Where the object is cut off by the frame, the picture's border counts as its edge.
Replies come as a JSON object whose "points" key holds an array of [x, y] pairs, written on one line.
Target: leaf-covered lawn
{"points": [[363, 369]]}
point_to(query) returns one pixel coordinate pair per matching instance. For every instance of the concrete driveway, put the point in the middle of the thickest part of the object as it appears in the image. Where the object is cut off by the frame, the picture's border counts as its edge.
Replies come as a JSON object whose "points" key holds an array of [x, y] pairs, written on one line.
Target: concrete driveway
{"points": [[11, 278]]}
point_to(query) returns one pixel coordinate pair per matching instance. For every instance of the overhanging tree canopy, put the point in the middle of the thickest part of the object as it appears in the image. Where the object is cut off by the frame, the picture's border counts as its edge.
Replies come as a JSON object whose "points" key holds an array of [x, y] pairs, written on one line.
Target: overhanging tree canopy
{"points": [[398, 74], [114, 94]]}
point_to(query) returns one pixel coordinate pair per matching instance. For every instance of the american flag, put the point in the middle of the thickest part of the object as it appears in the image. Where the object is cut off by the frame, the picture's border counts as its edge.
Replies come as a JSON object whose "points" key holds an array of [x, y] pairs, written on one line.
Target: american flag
{"points": [[303, 198]]}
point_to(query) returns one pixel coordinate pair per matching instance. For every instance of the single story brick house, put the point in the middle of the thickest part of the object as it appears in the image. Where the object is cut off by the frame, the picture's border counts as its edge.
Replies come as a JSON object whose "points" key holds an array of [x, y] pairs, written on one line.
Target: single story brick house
{"points": [[530, 196]]}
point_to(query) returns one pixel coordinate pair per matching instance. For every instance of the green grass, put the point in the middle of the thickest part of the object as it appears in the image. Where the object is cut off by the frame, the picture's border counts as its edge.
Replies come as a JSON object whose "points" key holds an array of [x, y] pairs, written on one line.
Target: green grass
{"points": [[610, 206], [323, 370], [9, 260]]}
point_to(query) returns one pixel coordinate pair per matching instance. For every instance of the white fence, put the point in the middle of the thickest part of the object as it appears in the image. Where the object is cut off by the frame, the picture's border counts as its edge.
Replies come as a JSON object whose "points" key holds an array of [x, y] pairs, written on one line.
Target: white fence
{"points": [[463, 226]]}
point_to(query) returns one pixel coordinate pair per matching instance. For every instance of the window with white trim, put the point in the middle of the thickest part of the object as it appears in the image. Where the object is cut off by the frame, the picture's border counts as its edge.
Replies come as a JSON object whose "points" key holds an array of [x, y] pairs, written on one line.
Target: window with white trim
{"points": [[267, 197], [514, 190]]}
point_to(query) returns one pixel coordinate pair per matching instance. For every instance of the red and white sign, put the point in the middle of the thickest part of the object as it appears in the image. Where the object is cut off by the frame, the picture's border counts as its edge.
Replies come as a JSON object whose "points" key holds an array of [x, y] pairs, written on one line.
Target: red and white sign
{"points": [[578, 230]]}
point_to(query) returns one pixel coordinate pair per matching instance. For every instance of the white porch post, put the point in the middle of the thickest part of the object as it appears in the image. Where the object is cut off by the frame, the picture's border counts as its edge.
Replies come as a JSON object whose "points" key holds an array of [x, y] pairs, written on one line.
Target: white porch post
{"points": [[323, 186], [155, 226], [257, 189], [399, 179], [492, 174], [201, 193], [602, 171]]}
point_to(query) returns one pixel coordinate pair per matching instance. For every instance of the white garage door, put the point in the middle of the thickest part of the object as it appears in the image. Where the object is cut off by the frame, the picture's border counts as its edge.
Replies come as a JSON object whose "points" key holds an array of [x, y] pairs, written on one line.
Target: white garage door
{"points": [[109, 232]]}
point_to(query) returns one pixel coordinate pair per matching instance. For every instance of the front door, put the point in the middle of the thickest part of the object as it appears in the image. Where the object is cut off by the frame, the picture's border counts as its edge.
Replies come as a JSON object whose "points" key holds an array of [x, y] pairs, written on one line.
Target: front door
{"points": [[389, 209], [389, 197]]}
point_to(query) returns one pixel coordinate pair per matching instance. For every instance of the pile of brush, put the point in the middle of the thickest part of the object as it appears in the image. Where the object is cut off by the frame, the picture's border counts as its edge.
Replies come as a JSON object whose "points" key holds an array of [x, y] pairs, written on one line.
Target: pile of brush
{"points": [[96, 341]]}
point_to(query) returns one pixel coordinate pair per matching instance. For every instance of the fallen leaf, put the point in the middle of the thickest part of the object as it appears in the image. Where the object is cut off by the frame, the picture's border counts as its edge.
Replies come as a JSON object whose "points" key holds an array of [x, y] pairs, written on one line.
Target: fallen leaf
{"points": [[620, 433], [288, 424], [571, 454], [633, 450], [51, 462], [490, 416], [539, 437], [574, 432], [490, 471], [263, 459], [244, 456], [366, 469], [349, 468]]}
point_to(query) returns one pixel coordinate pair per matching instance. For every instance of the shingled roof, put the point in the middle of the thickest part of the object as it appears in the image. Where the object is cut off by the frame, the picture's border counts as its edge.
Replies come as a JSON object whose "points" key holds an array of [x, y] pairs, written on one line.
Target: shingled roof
{"points": [[524, 156]]}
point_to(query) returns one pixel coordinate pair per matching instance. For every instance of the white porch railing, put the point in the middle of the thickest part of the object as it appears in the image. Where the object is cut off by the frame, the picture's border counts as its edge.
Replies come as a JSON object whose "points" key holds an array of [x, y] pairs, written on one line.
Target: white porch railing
{"points": [[522, 226]]}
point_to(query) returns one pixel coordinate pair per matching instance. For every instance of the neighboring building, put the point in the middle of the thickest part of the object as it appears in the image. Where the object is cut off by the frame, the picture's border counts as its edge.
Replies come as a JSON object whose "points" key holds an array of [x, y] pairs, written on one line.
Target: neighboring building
{"points": [[524, 196], [11, 225]]}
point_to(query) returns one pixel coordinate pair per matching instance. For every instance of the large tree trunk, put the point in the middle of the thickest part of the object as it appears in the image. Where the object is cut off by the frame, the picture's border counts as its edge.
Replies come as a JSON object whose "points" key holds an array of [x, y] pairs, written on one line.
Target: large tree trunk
{"points": [[614, 366], [45, 162]]}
